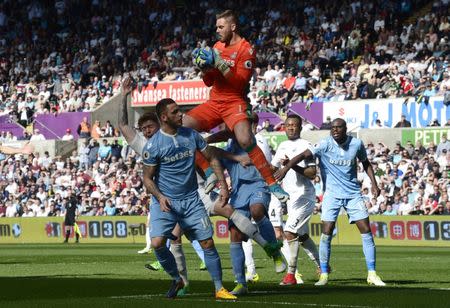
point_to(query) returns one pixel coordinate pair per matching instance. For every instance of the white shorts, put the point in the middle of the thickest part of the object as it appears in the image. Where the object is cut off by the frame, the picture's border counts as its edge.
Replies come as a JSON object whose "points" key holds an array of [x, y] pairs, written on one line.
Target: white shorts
{"points": [[299, 214], [275, 212]]}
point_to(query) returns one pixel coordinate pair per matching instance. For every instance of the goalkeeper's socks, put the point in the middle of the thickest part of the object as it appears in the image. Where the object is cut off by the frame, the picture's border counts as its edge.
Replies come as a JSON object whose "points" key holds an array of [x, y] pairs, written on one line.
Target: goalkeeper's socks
{"points": [[237, 257], [369, 250], [266, 229], [167, 261], [212, 261], [324, 252], [203, 163], [198, 250], [260, 162]]}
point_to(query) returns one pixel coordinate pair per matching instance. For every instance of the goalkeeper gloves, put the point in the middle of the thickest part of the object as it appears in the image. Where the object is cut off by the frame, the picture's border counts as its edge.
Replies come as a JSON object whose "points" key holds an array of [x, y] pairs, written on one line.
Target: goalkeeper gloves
{"points": [[207, 57]]}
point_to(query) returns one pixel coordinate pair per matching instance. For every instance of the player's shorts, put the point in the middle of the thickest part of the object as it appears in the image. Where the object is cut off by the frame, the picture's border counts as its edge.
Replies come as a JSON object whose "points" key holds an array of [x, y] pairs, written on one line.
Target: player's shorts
{"points": [[69, 221], [275, 212], [190, 213], [212, 113], [355, 207], [299, 214], [247, 197]]}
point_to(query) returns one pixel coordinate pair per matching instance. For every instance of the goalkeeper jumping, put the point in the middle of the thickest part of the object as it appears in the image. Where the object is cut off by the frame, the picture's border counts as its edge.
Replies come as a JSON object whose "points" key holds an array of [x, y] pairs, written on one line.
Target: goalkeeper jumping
{"points": [[228, 68]]}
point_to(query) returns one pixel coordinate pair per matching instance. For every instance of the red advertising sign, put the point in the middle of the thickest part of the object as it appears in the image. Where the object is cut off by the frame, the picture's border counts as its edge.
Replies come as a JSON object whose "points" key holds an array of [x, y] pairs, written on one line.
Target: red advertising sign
{"points": [[184, 92], [222, 229], [414, 230], [397, 229]]}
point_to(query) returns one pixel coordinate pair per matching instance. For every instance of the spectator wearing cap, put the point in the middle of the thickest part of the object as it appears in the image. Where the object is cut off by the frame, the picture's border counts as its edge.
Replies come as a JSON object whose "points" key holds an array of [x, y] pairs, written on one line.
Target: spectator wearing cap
{"points": [[403, 122], [68, 135]]}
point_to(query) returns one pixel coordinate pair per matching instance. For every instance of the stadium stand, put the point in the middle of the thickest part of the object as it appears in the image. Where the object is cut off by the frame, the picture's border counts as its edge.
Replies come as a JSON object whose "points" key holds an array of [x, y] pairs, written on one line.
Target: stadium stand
{"points": [[63, 56]]}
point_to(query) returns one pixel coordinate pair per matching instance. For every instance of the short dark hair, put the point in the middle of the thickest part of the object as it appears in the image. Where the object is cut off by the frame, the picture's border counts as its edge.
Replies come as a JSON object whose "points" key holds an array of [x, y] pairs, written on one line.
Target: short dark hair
{"points": [[161, 106], [230, 15], [295, 116], [148, 116]]}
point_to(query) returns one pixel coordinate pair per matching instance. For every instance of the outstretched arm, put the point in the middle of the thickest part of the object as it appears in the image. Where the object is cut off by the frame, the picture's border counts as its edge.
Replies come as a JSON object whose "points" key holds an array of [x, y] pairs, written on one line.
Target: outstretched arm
{"points": [[127, 130], [281, 173], [211, 155]]}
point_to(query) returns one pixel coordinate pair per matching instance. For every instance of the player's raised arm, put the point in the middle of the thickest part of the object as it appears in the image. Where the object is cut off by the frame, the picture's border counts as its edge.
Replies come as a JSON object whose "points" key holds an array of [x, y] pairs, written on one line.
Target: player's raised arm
{"points": [[149, 183], [127, 130], [280, 173]]}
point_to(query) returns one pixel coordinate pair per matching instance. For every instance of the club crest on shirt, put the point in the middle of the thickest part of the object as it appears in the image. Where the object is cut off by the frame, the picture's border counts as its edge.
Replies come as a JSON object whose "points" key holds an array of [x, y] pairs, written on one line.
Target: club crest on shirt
{"points": [[250, 51]]}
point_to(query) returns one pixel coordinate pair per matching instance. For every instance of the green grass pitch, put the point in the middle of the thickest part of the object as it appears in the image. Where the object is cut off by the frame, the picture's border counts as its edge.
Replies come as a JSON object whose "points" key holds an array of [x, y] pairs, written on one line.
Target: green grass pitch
{"points": [[87, 275]]}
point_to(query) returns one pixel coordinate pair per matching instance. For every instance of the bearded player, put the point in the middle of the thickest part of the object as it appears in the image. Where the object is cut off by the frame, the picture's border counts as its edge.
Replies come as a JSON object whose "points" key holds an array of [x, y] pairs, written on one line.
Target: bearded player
{"points": [[228, 68]]}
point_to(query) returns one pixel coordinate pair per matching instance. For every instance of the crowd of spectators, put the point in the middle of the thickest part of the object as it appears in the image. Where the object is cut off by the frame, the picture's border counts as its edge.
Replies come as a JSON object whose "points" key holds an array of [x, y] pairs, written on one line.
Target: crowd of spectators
{"points": [[59, 55], [106, 179]]}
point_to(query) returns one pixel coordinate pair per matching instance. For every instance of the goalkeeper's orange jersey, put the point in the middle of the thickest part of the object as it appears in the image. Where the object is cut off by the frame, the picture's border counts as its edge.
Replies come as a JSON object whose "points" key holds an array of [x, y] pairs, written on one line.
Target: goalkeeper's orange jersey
{"points": [[240, 57]]}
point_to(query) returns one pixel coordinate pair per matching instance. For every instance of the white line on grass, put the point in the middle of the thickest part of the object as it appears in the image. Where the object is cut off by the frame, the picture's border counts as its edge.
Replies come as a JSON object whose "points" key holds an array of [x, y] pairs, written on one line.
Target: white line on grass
{"points": [[187, 298], [440, 289]]}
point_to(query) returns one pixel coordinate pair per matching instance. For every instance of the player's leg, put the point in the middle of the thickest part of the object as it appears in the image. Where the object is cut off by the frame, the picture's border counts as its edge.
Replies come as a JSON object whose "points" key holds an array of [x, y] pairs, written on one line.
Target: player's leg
{"points": [[199, 251], [359, 215], [177, 250], [246, 140], [276, 219], [242, 222], [147, 237], [162, 225], [67, 228], [203, 118], [197, 226], [237, 257], [251, 275], [330, 211]]}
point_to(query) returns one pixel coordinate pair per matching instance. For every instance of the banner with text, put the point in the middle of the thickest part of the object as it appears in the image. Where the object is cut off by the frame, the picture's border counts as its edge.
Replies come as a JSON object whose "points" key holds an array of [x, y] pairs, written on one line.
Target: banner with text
{"points": [[425, 136], [387, 230], [364, 113], [184, 92]]}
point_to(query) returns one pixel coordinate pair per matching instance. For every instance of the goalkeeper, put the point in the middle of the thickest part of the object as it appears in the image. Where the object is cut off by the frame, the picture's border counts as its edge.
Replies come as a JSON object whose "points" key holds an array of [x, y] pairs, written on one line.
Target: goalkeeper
{"points": [[228, 68]]}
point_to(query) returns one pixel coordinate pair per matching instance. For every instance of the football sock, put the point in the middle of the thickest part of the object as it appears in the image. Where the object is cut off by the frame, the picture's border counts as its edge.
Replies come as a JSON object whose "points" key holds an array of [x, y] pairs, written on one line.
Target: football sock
{"points": [[311, 250], [293, 253], [285, 250], [167, 261], [324, 252], [198, 250], [245, 226], [148, 240], [260, 162], [369, 250], [212, 261], [247, 246], [238, 260], [180, 260], [203, 163], [67, 235], [266, 229]]}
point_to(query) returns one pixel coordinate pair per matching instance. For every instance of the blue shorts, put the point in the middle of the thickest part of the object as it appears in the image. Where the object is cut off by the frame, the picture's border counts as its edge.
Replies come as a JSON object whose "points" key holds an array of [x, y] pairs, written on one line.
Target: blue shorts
{"points": [[355, 207], [190, 213], [247, 196]]}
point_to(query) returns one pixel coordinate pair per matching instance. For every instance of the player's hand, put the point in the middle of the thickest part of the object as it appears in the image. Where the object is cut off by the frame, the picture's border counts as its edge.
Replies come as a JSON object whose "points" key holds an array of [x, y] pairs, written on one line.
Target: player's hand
{"points": [[280, 173], [127, 86], [164, 204], [224, 194], [284, 160], [244, 160], [375, 191]]}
